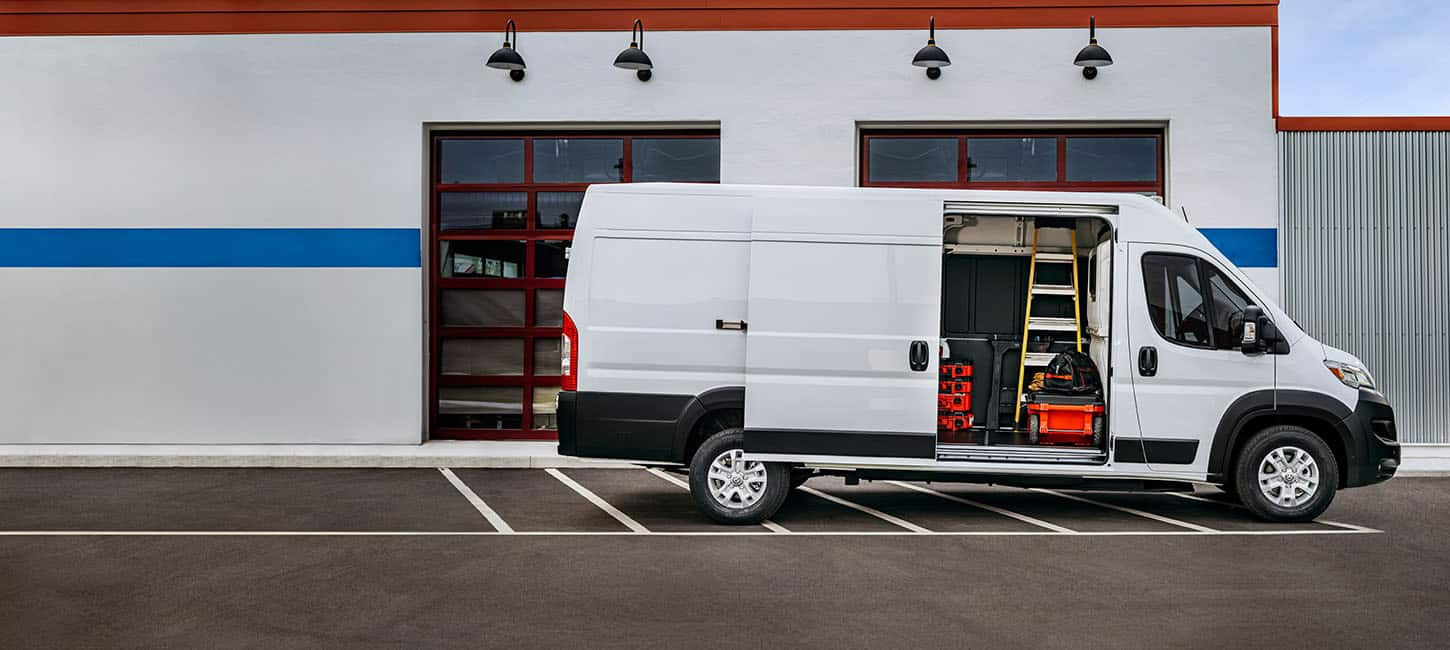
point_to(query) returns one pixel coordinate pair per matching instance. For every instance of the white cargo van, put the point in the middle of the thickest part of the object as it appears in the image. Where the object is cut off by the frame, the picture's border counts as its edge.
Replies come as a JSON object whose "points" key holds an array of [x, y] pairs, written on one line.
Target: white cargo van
{"points": [[761, 335]]}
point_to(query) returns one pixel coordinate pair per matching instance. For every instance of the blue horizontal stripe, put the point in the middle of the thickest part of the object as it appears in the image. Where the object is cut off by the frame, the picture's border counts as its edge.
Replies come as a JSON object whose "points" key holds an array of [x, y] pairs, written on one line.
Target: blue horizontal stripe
{"points": [[1246, 247], [210, 247]]}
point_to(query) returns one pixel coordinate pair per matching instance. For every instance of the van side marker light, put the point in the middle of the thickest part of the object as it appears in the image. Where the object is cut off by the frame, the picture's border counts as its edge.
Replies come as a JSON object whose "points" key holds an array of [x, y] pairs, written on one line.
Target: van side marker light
{"points": [[676, 480], [488, 513], [593, 498], [976, 504], [1131, 511], [870, 511]]}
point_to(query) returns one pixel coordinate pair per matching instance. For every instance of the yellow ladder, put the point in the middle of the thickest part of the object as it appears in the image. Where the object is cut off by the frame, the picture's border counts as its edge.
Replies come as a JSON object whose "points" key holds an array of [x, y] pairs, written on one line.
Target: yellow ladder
{"points": [[1044, 324]]}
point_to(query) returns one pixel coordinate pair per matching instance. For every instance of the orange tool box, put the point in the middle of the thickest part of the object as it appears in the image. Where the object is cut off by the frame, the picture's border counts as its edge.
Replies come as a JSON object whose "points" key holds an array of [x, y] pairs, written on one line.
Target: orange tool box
{"points": [[954, 387], [954, 422], [956, 370], [1065, 420], [954, 402]]}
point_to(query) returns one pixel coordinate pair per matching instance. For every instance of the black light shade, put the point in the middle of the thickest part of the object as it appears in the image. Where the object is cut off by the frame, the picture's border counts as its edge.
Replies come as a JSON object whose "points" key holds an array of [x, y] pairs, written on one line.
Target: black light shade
{"points": [[1093, 56], [931, 57], [506, 57], [633, 57]]}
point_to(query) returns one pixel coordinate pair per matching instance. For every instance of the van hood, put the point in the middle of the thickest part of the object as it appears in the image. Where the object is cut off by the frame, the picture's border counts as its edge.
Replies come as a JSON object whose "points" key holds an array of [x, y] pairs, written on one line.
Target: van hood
{"points": [[1332, 353]]}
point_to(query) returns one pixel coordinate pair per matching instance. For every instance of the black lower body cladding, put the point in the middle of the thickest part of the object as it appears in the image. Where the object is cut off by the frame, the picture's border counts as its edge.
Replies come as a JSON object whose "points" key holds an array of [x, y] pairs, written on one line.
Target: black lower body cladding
{"points": [[1372, 431], [629, 426]]}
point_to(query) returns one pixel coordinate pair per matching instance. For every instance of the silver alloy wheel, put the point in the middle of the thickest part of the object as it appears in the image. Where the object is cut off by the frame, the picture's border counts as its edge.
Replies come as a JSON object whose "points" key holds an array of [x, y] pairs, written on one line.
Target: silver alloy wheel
{"points": [[1288, 477], [734, 482]]}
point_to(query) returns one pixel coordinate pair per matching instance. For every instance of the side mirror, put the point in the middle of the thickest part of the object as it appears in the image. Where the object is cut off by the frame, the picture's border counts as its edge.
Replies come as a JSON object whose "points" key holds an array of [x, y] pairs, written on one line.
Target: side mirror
{"points": [[1256, 331]]}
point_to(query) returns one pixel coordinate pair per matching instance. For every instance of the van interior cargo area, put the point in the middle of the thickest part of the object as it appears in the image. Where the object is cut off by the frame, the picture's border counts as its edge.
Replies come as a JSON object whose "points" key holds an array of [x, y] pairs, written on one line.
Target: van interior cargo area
{"points": [[1010, 282]]}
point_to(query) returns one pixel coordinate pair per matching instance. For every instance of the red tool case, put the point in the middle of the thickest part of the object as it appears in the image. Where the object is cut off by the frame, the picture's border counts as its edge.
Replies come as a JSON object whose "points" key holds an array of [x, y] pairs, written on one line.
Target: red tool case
{"points": [[1075, 420], [954, 402]]}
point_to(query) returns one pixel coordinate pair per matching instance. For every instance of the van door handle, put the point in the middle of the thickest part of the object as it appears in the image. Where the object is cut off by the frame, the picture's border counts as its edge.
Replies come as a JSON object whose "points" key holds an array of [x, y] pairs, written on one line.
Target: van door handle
{"points": [[920, 356], [1147, 361], [730, 325]]}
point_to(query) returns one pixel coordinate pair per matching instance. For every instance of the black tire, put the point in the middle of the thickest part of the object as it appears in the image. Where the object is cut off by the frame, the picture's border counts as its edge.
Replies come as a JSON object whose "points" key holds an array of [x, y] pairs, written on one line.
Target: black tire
{"points": [[776, 476], [1296, 506]]}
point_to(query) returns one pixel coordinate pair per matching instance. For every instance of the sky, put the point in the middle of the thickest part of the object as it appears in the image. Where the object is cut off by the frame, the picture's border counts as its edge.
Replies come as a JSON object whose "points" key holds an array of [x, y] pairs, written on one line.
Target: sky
{"points": [[1364, 57]]}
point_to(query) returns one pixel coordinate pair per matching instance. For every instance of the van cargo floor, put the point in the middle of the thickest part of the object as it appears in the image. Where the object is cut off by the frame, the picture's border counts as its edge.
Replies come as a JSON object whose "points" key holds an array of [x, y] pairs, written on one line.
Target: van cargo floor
{"points": [[1077, 455]]}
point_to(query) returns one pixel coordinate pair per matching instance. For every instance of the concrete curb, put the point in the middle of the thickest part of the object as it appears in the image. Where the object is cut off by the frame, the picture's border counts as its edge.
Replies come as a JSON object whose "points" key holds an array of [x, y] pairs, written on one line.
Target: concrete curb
{"points": [[441, 453], [1418, 460]]}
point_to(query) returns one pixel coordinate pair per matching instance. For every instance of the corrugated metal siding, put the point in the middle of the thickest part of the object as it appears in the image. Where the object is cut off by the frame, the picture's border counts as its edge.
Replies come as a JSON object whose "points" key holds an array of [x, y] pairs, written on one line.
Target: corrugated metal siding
{"points": [[1365, 259]]}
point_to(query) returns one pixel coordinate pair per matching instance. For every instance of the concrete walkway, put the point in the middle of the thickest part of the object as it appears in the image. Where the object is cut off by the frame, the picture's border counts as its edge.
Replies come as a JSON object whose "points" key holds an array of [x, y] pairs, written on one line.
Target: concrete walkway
{"points": [[1419, 460]]}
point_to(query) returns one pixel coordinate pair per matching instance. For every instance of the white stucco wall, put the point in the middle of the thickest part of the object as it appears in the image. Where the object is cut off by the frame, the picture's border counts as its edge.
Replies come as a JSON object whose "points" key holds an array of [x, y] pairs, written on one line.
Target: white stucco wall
{"points": [[328, 131]]}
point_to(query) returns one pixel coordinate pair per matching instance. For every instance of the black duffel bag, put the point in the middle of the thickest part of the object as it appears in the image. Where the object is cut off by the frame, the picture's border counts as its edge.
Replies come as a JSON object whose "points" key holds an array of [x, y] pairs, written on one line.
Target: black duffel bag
{"points": [[1072, 373]]}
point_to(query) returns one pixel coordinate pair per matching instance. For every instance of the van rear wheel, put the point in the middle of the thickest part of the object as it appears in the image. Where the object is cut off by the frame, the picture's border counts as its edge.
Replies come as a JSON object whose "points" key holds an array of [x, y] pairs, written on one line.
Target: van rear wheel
{"points": [[1286, 473], [731, 490]]}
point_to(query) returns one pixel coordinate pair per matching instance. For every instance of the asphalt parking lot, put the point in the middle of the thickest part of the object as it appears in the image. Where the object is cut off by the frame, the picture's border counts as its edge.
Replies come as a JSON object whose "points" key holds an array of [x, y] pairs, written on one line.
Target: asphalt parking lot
{"points": [[619, 557]]}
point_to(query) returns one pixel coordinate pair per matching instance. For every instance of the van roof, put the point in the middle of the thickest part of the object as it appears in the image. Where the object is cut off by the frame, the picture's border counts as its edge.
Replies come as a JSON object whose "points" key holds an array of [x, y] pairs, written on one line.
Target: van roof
{"points": [[1134, 216]]}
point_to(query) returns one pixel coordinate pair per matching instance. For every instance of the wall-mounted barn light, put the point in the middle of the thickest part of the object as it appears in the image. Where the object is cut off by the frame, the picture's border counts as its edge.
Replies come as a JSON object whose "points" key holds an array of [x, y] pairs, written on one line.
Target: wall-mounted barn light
{"points": [[931, 57], [508, 57], [633, 57], [1093, 56]]}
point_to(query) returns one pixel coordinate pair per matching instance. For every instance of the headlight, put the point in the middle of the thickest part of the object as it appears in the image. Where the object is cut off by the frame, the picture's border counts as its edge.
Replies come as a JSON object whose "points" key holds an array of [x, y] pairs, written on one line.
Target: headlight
{"points": [[1352, 376]]}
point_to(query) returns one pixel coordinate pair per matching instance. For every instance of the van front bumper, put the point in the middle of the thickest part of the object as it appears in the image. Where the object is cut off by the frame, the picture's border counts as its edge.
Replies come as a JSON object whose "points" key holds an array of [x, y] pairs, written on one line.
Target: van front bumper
{"points": [[1372, 428]]}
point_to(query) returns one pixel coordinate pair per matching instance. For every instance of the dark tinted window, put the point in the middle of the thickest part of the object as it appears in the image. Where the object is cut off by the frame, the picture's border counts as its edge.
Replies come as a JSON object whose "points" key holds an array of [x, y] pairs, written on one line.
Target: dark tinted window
{"points": [[559, 209], [578, 160], [924, 160], [1012, 159], [481, 161], [676, 159], [482, 210], [1228, 309], [1176, 302], [1112, 159], [482, 259]]}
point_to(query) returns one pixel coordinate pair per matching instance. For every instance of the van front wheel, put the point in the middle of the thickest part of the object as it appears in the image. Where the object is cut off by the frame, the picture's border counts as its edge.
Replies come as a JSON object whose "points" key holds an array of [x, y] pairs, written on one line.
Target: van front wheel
{"points": [[732, 490], [1286, 473]]}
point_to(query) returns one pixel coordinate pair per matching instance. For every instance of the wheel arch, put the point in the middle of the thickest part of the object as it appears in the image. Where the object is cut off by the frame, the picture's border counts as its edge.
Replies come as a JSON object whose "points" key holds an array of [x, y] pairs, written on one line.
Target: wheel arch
{"points": [[1321, 414], [716, 406]]}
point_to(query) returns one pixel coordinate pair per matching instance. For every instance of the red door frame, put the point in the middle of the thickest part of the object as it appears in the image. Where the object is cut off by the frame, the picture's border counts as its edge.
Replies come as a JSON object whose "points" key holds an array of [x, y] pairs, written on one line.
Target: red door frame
{"points": [[527, 282], [963, 180]]}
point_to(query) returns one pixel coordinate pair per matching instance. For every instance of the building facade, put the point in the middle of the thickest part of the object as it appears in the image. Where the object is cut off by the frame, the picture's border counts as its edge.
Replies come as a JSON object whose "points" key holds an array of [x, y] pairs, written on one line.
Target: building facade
{"points": [[331, 223]]}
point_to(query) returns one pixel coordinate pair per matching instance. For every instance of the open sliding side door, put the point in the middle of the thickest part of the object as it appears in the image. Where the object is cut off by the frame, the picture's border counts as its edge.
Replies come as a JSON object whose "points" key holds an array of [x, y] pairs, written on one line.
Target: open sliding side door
{"points": [[844, 326]]}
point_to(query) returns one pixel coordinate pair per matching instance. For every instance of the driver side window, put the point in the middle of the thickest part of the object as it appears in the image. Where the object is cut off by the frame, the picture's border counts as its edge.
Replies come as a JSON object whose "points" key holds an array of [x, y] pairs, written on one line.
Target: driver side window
{"points": [[1192, 303]]}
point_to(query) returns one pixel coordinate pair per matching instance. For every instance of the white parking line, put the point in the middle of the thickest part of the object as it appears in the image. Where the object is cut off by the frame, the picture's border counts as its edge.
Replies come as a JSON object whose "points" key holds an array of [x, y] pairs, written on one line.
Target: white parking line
{"points": [[1131, 511], [493, 519], [976, 504], [676, 480], [1240, 506], [594, 499], [870, 511], [706, 533]]}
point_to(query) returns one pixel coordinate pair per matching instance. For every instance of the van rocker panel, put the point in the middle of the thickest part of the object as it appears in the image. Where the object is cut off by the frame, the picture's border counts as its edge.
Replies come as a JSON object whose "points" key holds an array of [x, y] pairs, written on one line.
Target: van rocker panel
{"points": [[841, 443]]}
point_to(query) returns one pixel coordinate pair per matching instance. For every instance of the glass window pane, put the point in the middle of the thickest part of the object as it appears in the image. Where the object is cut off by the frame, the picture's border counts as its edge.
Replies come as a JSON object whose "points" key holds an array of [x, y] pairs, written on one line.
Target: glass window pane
{"points": [[546, 357], [1112, 159], [482, 307], [551, 258], [675, 159], [559, 209], [480, 407], [481, 161], [913, 159], [482, 210], [482, 357], [1175, 299], [549, 307], [482, 259], [1012, 159], [578, 160], [1229, 303], [546, 404]]}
